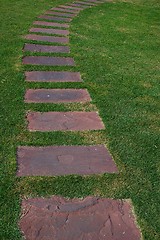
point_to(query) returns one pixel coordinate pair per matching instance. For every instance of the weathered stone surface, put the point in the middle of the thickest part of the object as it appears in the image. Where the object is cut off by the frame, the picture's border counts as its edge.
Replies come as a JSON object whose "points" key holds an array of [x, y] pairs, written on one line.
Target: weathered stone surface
{"points": [[61, 14], [52, 76], [57, 95], [78, 5], [50, 61], [91, 218], [50, 31], [51, 24], [85, 3], [64, 121], [64, 160], [46, 48], [71, 7], [64, 10], [52, 18], [36, 37]]}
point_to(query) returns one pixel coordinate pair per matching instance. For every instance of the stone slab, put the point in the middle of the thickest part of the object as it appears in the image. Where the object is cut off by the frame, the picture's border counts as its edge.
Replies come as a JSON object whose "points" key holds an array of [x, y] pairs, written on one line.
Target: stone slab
{"points": [[91, 218], [64, 121], [50, 31], [51, 24], [64, 10], [61, 14], [85, 3], [71, 7], [51, 39], [56, 95], [48, 61], [79, 5], [64, 160], [52, 76], [46, 48], [52, 18]]}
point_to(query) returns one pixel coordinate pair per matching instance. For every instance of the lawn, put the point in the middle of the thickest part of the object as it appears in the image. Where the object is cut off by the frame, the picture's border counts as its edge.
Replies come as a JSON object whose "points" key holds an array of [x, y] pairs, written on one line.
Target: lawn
{"points": [[115, 46]]}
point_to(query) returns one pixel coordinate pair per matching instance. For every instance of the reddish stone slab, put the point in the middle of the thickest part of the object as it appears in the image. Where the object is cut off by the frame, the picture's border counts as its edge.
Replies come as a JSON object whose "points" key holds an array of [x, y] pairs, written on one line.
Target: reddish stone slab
{"points": [[50, 31], [85, 3], [46, 48], [64, 121], [52, 18], [36, 37], [64, 10], [71, 7], [61, 14], [50, 76], [50, 61], [64, 160], [56, 95], [51, 24], [91, 218], [79, 5]]}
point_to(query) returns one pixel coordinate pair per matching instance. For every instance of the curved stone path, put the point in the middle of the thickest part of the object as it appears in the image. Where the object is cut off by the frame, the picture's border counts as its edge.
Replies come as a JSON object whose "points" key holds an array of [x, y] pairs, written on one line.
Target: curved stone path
{"points": [[57, 218]]}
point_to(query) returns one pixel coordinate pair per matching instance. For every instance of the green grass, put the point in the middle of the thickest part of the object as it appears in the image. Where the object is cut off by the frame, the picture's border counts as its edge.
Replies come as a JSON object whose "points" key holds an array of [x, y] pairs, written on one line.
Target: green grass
{"points": [[115, 47]]}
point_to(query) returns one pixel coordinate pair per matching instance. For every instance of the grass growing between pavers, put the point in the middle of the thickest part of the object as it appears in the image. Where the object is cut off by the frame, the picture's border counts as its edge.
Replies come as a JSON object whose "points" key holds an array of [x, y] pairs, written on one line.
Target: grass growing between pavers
{"points": [[115, 46]]}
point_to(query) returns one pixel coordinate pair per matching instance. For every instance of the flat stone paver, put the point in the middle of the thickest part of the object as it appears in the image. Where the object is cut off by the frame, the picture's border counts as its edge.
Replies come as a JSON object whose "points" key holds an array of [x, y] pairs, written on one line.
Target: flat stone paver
{"points": [[91, 218], [86, 3], [49, 31], [50, 39], [52, 76], [79, 5], [57, 95], [71, 7], [48, 61], [61, 14], [52, 18], [46, 48], [51, 24], [64, 160], [64, 10]]}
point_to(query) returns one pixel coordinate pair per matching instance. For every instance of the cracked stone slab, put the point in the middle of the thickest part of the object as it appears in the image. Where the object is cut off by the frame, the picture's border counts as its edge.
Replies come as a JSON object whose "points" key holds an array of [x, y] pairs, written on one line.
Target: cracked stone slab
{"points": [[48, 61], [64, 10], [64, 160], [51, 24], [52, 18], [49, 31], [64, 121], [91, 218], [61, 14], [50, 39], [46, 48], [56, 95], [52, 76], [71, 7]]}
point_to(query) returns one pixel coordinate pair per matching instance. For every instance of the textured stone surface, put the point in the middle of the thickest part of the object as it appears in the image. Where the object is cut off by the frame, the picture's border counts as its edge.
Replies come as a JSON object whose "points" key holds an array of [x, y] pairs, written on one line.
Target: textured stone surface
{"points": [[61, 14], [57, 95], [51, 24], [46, 48], [51, 39], [50, 31], [92, 218], [71, 7], [52, 18], [64, 160], [52, 76], [86, 3], [79, 5], [64, 10], [50, 61], [64, 121]]}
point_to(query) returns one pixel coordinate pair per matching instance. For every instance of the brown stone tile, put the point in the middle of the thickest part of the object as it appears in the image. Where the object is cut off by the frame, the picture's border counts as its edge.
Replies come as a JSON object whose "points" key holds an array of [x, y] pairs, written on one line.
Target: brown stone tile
{"points": [[78, 5], [48, 61], [64, 160], [61, 14], [94, 1], [51, 24], [64, 121], [71, 7], [50, 31], [52, 39], [46, 48], [52, 76], [64, 10], [52, 18], [92, 218], [57, 95], [85, 3]]}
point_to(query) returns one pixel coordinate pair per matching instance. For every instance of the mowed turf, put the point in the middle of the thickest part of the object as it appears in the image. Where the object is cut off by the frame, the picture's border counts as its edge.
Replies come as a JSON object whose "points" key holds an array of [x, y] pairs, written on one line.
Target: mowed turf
{"points": [[115, 47]]}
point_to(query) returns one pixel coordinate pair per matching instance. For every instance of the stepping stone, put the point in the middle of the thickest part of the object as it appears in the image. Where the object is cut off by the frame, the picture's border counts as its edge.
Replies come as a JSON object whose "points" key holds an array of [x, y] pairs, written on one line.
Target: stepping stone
{"points": [[64, 160], [94, 1], [71, 7], [86, 3], [50, 76], [64, 10], [51, 39], [51, 24], [46, 48], [48, 61], [61, 14], [56, 95], [49, 31], [91, 218], [64, 121], [52, 18], [79, 5]]}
